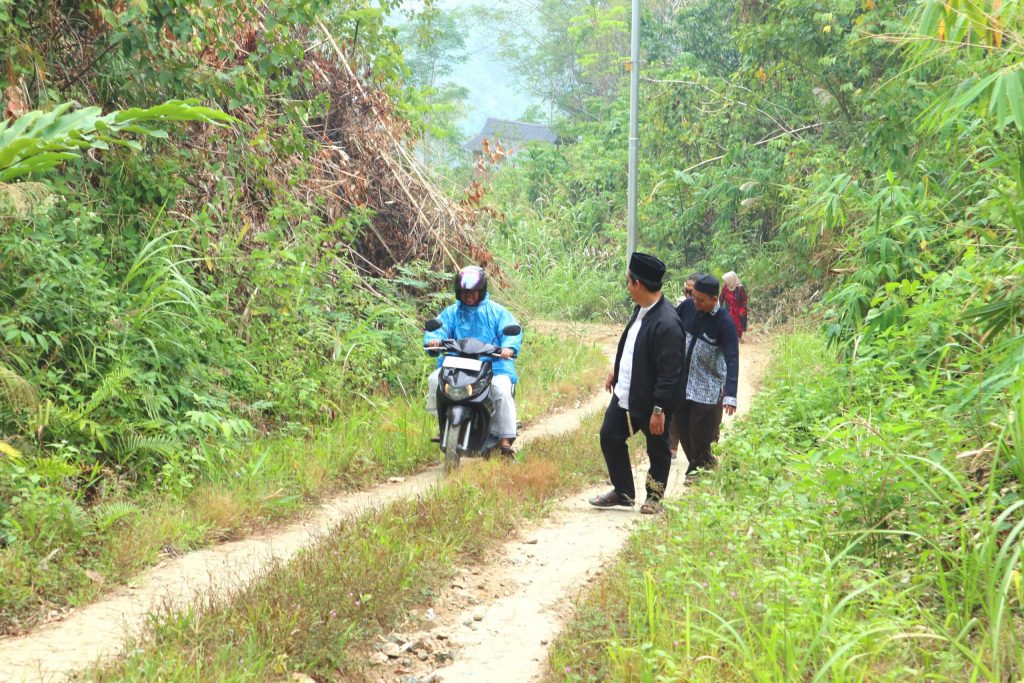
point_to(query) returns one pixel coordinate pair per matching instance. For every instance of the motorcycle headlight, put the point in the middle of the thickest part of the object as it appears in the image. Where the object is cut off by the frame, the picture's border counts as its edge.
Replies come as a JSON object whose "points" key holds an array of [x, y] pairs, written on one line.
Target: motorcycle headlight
{"points": [[458, 393]]}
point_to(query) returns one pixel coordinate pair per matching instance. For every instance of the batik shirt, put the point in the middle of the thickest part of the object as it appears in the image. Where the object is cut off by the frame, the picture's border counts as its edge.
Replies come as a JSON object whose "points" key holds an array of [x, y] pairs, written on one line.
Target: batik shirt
{"points": [[711, 355]]}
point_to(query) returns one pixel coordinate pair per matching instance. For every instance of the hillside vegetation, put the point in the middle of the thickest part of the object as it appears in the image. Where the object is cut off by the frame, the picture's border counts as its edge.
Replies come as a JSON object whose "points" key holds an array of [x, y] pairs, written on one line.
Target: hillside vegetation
{"points": [[216, 239], [215, 243]]}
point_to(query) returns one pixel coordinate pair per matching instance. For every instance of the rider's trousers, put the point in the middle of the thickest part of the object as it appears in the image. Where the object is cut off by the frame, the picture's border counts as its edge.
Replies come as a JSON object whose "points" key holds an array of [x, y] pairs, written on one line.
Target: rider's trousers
{"points": [[504, 421]]}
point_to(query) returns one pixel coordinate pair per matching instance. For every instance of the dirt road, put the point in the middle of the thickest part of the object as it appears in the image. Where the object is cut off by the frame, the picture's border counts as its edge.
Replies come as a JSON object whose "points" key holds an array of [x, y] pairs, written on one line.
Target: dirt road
{"points": [[497, 619]]}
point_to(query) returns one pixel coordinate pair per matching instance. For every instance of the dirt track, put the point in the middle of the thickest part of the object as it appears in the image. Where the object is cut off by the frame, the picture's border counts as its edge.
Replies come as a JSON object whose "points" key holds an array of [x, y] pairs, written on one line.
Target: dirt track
{"points": [[498, 618], [527, 587]]}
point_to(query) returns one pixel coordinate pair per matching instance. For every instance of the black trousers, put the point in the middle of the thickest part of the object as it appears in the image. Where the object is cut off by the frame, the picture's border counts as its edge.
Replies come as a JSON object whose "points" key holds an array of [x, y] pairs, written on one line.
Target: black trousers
{"points": [[614, 432], [696, 426]]}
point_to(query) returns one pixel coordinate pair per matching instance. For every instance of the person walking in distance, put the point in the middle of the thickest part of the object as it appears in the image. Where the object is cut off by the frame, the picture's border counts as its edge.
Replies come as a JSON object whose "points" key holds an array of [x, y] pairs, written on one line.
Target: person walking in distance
{"points": [[711, 368], [734, 299], [687, 289], [673, 435], [643, 383]]}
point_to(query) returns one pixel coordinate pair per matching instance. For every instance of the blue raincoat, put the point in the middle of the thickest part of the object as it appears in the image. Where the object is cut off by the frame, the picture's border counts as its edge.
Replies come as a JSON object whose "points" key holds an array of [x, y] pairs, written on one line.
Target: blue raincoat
{"points": [[485, 321]]}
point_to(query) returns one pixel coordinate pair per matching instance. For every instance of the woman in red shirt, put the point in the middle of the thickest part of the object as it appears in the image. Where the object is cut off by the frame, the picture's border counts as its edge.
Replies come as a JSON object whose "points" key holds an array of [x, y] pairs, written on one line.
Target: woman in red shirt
{"points": [[734, 298]]}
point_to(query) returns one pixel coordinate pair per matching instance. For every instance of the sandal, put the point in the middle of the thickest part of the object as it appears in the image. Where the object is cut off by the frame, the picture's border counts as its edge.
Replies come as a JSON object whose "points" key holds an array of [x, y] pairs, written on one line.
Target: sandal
{"points": [[611, 499], [652, 507]]}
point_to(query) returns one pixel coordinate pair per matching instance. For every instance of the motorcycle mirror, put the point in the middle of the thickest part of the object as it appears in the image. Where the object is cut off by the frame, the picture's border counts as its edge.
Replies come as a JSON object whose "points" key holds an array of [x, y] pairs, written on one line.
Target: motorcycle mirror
{"points": [[512, 330], [432, 324]]}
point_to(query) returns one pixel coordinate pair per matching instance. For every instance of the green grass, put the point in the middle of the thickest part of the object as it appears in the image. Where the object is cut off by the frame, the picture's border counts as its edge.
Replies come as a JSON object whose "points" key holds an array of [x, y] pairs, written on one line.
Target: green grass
{"points": [[842, 540], [67, 553], [557, 275], [314, 613], [559, 372]]}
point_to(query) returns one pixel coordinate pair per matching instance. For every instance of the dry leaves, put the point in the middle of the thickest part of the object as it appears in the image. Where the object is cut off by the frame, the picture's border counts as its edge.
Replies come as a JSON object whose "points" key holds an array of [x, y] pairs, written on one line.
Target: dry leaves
{"points": [[15, 102]]}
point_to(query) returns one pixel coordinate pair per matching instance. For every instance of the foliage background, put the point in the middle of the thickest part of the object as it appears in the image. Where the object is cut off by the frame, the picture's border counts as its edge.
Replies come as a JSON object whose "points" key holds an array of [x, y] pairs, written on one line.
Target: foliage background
{"points": [[162, 304]]}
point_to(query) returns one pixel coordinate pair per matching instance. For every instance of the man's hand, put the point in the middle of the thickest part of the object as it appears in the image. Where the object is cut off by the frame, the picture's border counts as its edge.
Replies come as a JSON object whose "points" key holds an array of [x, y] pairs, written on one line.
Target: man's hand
{"points": [[609, 382], [728, 409], [657, 423], [506, 353], [434, 344]]}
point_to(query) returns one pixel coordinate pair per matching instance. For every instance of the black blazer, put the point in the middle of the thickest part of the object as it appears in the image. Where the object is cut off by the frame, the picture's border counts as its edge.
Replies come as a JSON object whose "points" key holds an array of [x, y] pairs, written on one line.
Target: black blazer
{"points": [[657, 359]]}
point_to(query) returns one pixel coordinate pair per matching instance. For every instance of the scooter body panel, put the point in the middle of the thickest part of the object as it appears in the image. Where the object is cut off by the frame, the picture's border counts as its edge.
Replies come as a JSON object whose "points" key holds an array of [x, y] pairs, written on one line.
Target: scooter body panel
{"points": [[464, 399]]}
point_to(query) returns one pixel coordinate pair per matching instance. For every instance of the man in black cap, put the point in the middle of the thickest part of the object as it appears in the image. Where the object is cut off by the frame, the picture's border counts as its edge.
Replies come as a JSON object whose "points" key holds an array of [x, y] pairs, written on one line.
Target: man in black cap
{"points": [[643, 383], [711, 368]]}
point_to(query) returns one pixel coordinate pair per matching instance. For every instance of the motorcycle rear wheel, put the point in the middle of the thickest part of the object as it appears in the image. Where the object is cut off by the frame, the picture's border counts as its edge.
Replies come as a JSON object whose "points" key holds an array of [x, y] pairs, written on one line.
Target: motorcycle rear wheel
{"points": [[451, 449]]}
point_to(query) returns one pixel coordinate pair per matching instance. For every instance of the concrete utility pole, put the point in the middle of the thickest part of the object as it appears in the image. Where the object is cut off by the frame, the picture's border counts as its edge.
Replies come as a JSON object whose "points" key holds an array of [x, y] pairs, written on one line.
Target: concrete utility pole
{"points": [[634, 138]]}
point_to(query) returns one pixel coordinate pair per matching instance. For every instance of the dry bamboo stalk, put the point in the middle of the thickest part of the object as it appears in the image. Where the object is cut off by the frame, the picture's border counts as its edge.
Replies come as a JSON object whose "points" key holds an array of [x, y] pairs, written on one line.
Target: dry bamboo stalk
{"points": [[394, 142]]}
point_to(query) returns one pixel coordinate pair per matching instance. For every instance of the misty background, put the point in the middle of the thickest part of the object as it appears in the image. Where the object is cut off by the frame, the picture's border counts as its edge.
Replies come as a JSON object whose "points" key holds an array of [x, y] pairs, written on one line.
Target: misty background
{"points": [[493, 90]]}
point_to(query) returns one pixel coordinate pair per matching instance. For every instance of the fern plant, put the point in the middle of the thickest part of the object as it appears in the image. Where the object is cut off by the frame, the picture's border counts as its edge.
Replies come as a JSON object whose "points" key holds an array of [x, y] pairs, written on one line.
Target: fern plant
{"points": [[106, 515], [132, 447]]}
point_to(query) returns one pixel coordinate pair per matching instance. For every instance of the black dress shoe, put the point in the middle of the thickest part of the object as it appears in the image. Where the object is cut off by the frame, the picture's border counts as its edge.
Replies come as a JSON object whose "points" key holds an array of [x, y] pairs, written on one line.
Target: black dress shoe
{"points": [[611, 499]]}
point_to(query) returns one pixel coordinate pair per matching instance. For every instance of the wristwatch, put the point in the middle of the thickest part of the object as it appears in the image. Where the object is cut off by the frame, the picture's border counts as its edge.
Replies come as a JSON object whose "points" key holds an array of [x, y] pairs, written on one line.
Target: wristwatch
{"points": [[658, 410]]}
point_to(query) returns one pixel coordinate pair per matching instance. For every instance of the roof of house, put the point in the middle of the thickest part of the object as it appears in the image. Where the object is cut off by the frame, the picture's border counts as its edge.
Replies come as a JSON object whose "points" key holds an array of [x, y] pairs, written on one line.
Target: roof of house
{"points": [[509, 132]]}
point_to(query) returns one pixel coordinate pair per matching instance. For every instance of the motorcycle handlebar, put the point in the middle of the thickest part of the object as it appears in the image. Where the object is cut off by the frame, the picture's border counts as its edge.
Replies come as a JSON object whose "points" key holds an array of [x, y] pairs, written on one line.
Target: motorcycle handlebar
{"points": [[441, 349]]}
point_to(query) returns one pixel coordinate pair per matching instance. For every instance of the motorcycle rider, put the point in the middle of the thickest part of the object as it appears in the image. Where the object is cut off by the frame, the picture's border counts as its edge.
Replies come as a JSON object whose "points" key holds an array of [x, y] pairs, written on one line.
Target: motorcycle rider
{"points": [[475, 315]]}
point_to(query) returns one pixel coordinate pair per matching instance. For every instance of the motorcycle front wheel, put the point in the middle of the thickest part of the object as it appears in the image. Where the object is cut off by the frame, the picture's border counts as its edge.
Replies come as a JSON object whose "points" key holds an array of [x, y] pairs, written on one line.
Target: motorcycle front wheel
{"points": [[451, 449]]}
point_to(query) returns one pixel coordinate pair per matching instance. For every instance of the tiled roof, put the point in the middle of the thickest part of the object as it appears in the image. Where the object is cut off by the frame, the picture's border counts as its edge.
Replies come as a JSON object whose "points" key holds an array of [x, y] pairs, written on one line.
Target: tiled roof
{"points": [[510, 133]]}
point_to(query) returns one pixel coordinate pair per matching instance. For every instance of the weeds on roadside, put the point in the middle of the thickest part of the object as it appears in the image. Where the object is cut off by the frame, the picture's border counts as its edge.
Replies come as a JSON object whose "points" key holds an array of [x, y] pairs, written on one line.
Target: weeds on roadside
{"points": [[852, 533]]}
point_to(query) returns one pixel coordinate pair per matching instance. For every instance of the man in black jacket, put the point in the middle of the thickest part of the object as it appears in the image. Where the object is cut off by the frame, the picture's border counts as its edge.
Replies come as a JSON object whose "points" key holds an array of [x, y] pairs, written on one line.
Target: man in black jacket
{"points": [[711, 367], [643, 383]]}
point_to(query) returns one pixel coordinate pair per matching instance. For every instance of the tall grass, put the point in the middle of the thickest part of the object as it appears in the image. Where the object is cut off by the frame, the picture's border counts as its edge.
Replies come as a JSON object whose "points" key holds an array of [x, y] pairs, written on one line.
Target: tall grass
{"points": [[851, 534], [559, 281], [557, 371]]}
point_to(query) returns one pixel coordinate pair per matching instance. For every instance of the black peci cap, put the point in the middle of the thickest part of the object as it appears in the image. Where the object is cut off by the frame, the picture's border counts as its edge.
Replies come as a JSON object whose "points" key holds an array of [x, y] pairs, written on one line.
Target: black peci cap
{"points": [[707, 284], [647, 267]]}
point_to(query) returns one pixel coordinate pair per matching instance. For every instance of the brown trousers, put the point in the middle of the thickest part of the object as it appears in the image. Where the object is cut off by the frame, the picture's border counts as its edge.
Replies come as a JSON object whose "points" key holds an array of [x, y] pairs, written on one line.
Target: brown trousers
{"points": [[695, 426]]}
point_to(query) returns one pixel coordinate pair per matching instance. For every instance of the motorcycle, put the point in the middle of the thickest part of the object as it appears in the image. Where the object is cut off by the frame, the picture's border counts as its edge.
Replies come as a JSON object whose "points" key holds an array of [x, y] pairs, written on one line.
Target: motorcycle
{"points": [[464, 404]]}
